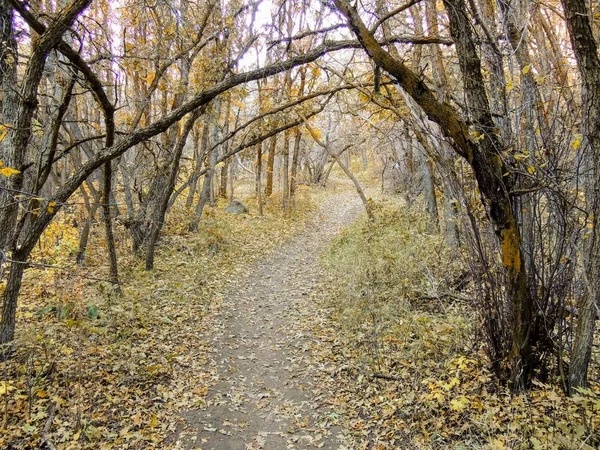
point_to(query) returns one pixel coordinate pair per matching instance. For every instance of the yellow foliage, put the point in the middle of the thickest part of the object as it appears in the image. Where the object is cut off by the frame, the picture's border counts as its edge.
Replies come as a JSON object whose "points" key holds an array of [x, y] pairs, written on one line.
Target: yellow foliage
{"points": [[7, 171], [3, 131], [316, 132], [577, 139]]}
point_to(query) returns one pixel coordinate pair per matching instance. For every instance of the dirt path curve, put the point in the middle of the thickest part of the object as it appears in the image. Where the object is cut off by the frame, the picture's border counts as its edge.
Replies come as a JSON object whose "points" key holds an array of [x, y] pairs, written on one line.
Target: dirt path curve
{"points": [[266, 395]]}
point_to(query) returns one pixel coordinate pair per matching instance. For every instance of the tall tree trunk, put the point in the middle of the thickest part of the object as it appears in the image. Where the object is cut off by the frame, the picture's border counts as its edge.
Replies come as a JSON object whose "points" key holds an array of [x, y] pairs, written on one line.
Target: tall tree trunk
{"points": [[224, 178], [586, 53], [199, 156], [8, 86], [207, 186], [430, 198], [92, 207], [493, 59], [295, 161], [205, 192], [259, 199], [286, 172], [107, 217], [165, 195], [232, 170], [270, 165]]}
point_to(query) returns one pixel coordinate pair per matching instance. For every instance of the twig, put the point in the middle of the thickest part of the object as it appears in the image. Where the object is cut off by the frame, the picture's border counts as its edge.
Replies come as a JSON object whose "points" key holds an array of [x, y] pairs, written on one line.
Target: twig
{"points": [[386, 377], [45, 440]]}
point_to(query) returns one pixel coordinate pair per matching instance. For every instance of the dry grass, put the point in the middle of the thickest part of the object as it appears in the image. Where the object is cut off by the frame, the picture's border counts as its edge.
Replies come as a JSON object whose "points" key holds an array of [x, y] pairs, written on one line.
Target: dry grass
{"points": [[413, 371]]}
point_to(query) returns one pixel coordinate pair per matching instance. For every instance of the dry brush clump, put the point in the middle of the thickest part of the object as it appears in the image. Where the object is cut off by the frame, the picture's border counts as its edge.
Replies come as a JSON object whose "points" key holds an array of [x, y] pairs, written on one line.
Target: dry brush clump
{"points": [[414, 370]]}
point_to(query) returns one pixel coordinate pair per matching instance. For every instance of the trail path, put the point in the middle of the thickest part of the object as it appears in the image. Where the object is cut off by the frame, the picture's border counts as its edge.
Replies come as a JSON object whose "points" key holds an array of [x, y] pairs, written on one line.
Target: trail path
{"points": [[266, 395]]}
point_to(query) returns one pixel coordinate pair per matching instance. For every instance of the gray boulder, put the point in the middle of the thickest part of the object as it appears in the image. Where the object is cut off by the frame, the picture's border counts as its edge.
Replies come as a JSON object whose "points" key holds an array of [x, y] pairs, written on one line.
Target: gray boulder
{"points": [[236, 207]]}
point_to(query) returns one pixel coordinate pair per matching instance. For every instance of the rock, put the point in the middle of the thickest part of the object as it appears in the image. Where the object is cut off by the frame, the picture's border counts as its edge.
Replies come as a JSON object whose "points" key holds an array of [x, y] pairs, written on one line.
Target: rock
{"points": [[236, 207]]}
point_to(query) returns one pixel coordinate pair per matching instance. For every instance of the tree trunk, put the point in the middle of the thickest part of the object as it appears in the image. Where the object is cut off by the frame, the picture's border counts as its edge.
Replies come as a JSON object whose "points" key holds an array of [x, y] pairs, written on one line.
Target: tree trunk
{"points": [[199, 153], [110, 239], [358, 187], [430, 198], [8, 86], [295, 161], [224, 178], [586, 53], [286, 172], [10, 297], [259, 199], [92, 207], [165, 195], [270, 165], [207, 186]]}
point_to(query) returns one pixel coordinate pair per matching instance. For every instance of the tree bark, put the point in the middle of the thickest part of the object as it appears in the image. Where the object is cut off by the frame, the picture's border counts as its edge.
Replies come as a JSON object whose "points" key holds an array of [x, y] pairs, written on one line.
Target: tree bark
{"points": [[14, 151], [295, 162], [107, 218], [586, 52], [286, 172], [270, 166], [165, 195], [200, 148]]}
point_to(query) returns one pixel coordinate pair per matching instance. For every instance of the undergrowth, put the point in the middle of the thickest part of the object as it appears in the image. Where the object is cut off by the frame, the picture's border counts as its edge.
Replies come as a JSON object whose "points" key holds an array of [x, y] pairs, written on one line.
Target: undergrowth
{"points": [[413, 371], [95, 370]]}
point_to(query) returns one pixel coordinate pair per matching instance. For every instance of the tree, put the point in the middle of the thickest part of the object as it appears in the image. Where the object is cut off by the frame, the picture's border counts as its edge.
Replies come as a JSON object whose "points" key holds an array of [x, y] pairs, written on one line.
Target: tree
{"points": [[586, 52], [493, 178]]}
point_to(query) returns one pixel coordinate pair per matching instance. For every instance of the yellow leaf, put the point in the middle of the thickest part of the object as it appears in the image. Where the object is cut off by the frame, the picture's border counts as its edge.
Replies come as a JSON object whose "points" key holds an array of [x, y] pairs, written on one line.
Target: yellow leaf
{"points": [[149, 78], [51, 206], [5, 387], [459, 404], [539, 79], [3, 132], [509, 86], [8, 171], [42, 394], [153, 421], [521, 156], [317, 133], [577, 138], [531, 170], [498, 444], [526, 69]]}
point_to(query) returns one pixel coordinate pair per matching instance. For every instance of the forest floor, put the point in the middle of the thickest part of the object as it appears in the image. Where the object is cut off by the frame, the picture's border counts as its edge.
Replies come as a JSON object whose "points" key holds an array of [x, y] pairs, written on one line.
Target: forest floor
{"points": [[266, 392], [316, 329]]}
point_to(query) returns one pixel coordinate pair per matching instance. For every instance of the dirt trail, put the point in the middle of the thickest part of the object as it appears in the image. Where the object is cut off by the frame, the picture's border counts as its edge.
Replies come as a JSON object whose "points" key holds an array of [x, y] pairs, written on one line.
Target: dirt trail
{"points": [[266, 395]]}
